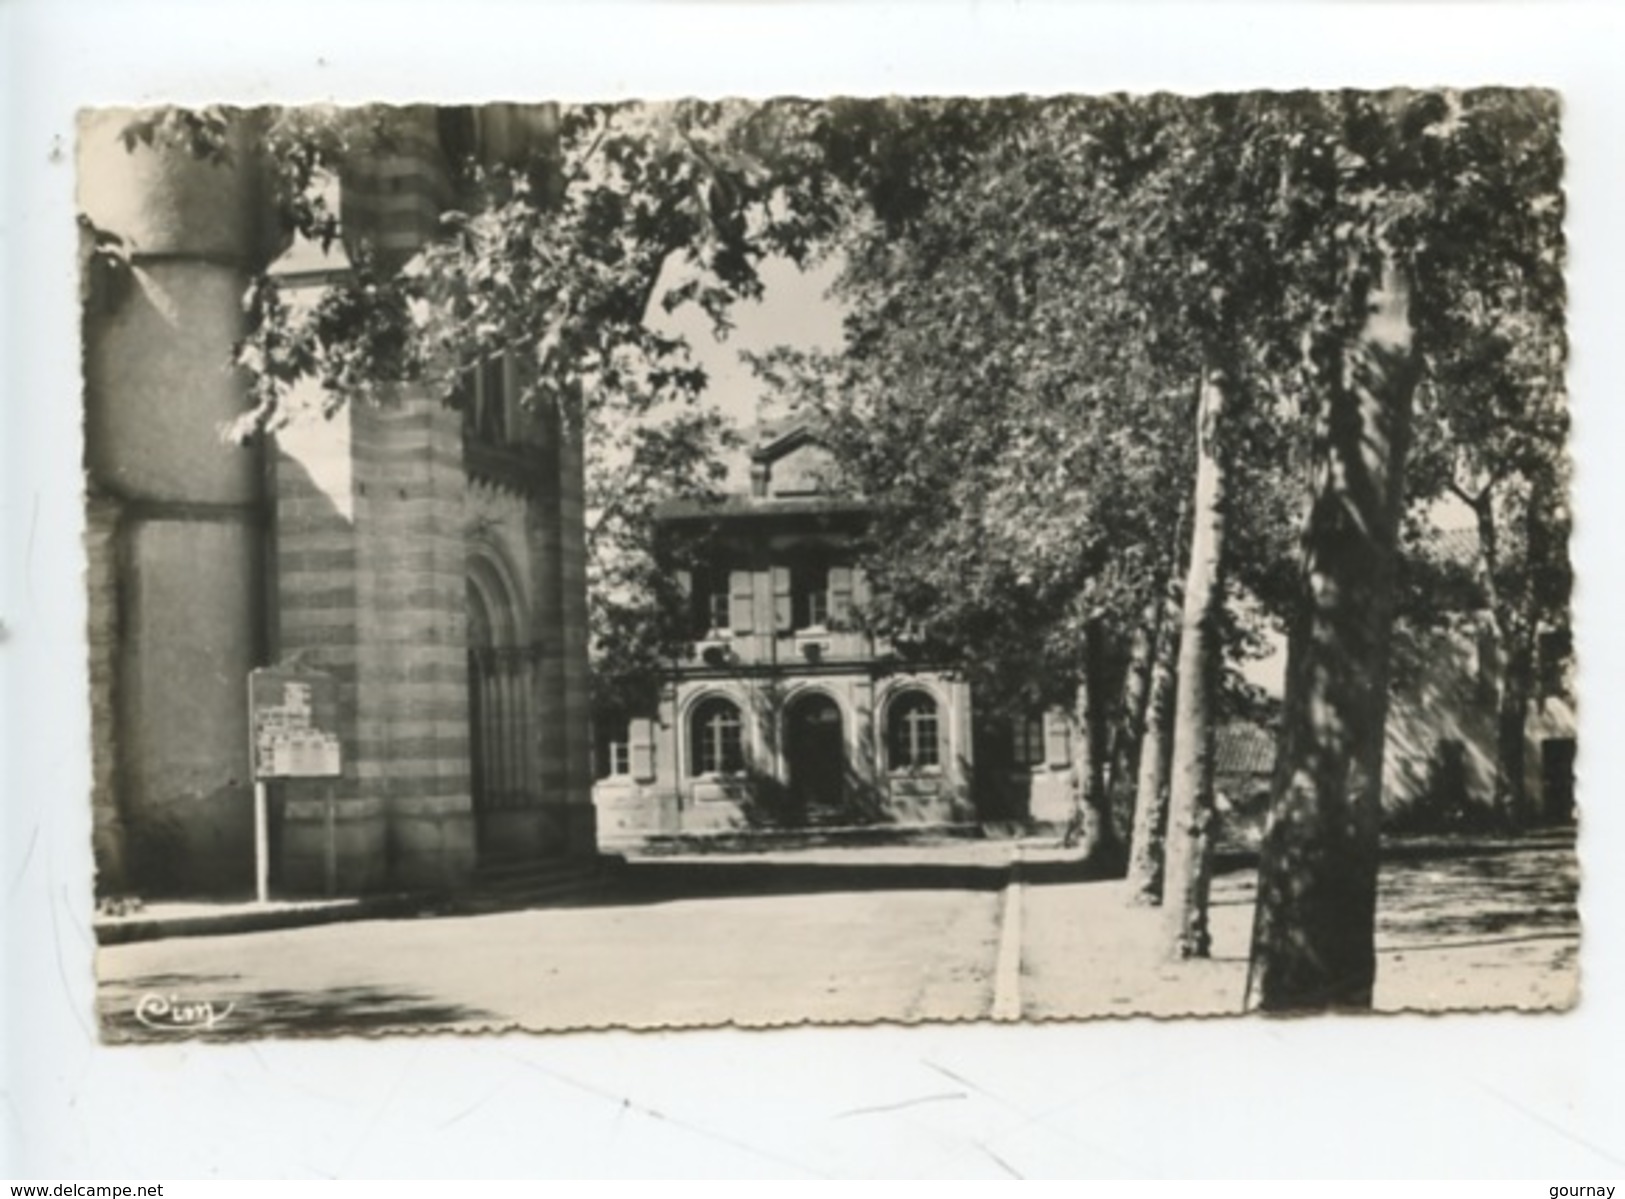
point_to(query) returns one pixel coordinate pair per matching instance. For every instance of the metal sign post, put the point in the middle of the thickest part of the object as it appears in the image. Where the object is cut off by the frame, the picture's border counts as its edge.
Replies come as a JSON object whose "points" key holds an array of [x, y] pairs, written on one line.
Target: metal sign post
{"points": [[293, 721], [262, 843], [330, 880]]}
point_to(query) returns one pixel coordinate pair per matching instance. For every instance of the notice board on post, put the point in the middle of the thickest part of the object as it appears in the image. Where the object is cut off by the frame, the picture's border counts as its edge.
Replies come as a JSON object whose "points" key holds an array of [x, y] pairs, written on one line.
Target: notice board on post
{"points": [[293, 715]]}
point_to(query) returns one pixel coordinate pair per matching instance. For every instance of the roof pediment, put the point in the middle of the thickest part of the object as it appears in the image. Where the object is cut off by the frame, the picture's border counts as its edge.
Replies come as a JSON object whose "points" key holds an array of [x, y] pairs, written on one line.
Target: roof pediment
{"points": [[795, 463], [785, 443]]}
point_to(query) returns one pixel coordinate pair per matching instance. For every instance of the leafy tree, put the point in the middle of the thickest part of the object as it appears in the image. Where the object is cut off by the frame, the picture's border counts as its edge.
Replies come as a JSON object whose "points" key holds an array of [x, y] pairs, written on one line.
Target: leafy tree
{"points": [[1003, 409], [1422, 192], [1197, 184], [1493, 414], [553, 258], [1245, 235], [636, 608], [1034, 286]]}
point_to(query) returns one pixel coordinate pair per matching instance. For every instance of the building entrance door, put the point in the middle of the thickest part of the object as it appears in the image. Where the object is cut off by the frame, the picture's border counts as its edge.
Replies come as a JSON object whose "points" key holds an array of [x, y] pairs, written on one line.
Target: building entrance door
{"points": [[815, 753], [501, 682]]}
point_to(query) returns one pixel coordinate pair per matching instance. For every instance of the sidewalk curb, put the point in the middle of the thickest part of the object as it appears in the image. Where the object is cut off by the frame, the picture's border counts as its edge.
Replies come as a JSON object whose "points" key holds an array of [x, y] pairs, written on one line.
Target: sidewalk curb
{"points": [[125, 930]]}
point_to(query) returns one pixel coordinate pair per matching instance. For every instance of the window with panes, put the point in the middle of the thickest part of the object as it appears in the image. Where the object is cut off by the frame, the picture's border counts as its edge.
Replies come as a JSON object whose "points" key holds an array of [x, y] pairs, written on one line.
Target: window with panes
{"points": [[717, 738], [614, 746], [1027, 741], [809, 591], [710, 600], [912, 732]]}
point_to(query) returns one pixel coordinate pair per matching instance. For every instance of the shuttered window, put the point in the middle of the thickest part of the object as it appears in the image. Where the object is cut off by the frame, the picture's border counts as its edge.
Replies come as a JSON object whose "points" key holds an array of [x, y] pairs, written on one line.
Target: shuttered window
{"points": [[641, 760], [741, 601], [809, 582], [708, 601], [1028, 746], [614, 746], [1057, 739], [840, 596], [783, 600]]}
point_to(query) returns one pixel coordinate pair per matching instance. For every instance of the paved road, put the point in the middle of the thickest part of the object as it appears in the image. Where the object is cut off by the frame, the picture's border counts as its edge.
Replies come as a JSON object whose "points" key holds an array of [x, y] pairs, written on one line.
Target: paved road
{"points": [[861, 935], [910, 933]]}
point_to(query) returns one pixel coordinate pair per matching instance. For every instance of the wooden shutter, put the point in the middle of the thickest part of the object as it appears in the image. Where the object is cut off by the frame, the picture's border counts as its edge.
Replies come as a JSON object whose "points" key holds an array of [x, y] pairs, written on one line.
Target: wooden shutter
{"points": [[840, 596], [1057, 748], [783, 612], [740, 597], [685, 588], [642, 733]]}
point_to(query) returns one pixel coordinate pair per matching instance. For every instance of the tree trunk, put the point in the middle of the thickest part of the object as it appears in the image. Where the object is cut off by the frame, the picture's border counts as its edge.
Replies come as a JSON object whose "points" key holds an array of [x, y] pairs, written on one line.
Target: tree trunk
{"points": [[1518, 666], [1091, 822], [1512, 663], [1314, 924], [1128, 730], [1516, 683], [1155, 760], [1190, 793]]}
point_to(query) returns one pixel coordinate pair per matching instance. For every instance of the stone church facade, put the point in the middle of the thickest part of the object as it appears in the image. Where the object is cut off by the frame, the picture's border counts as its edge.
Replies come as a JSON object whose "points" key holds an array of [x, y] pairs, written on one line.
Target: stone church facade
{"points": [[425, 552]]}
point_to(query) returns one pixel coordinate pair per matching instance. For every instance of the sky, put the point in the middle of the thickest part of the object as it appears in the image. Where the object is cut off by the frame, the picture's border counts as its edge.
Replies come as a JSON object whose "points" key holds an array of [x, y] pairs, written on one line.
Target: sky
{"points": [[794, 310]]}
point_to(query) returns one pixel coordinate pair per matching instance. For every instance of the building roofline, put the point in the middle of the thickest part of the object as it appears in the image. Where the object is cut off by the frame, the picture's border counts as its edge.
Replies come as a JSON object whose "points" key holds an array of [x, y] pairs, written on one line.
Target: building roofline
{"points": [[792, 438], [748, 507]]}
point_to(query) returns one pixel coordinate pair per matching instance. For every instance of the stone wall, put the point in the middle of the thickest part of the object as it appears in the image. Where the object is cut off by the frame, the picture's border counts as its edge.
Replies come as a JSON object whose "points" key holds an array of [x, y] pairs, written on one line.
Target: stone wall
{"points": [[370, 586], [174, 541], [342, 545]]}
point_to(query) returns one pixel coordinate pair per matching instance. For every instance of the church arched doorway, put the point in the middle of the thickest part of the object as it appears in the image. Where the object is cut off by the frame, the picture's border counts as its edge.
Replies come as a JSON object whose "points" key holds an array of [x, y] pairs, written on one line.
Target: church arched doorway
{"points": [[501, 700], [815, 758]]}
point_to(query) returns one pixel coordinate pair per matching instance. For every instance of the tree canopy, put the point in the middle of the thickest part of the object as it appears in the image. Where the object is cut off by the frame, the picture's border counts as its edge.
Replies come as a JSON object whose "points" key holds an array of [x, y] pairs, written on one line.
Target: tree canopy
{"points": [[1036, 287], [553, 259]]}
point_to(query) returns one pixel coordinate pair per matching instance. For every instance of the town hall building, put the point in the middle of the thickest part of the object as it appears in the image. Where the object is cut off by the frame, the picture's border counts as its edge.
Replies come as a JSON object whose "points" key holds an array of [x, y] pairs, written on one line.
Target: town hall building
{"points": [[786, 712]]}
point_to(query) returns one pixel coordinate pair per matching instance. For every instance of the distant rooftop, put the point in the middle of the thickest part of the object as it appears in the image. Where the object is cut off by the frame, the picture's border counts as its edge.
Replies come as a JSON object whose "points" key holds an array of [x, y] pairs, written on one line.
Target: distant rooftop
{"points": [[1246, 749], [760, 505], [791, 474], [1457, 547]]}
